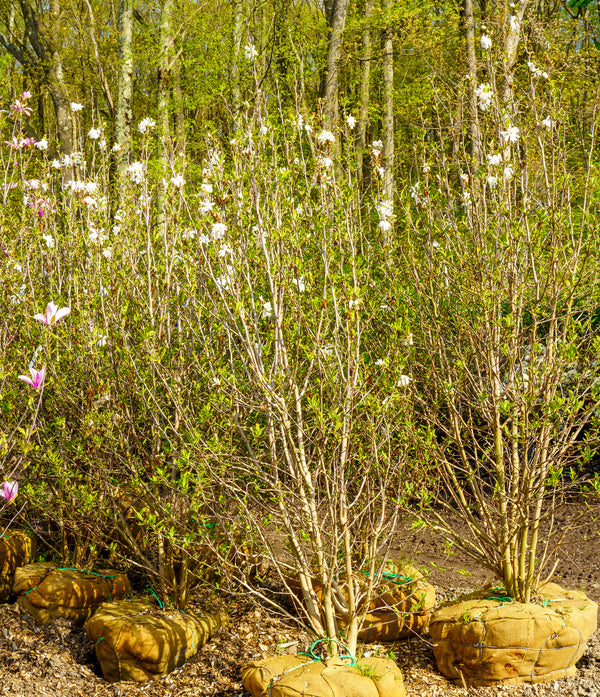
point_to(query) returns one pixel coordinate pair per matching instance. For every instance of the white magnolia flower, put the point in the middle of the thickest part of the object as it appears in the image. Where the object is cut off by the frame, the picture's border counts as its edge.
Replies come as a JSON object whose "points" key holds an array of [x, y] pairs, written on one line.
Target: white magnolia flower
{"points": [[116, 229], [76, 107], [218, 231], [494, 160], [308, 128], [94, 133], [224, 250], [464, 177], [492, 181], [300, 122], [136, 172], [384, 225], [206, 206], [325, 137], [116, 148], [377, 145], [55, 164], [325, 162], [508, 173], [426, 168], [102, 341], [380, 361], [379, 171], [403, 381], [486, 42], [435, 244], [511, 134], [267, 310], [350, 121], [90, 187], [206, 187], [300, 284], [178, 181], [32, 184], [263, 130], [203, 239], [107, 253], [250, 51], [49, 240], [547, 123], [515, 26], [146, 124], [385, 209], [484, 95], [42, 144], [90, 202]]}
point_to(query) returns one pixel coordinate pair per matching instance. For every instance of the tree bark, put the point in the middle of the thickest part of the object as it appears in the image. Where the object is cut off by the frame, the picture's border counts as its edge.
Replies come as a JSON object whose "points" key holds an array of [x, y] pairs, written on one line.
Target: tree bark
{"points": [[365, 90], [469, 34], [330, 84], [234, 65], [164, 93], [388, 105], [124, 110], [511, 46]]}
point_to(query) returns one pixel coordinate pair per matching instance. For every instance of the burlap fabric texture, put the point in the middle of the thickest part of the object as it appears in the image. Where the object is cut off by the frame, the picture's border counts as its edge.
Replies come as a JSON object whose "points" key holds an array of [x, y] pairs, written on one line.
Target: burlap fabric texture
{"points": [[17, 548], [137, 641], [292, 676], [486, 638], [47, 591], [401, 605]]}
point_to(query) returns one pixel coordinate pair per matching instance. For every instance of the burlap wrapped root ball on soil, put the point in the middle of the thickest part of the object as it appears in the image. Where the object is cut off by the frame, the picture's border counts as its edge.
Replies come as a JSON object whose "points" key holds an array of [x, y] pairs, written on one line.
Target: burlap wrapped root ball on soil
{"points": [[401, 605], [136, 641], [47, 591], [500, 641], [292, 676], [17, 548]]}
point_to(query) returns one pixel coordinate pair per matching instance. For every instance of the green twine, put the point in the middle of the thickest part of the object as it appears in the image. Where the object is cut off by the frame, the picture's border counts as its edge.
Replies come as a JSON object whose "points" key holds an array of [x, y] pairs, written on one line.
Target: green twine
{"points": [[85, 571], [316, 657], [391, 576], [158, 600]]}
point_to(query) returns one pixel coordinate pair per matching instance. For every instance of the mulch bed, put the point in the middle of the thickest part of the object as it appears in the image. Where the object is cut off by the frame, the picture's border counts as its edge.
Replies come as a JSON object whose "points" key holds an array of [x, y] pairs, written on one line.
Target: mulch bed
{"points": [[59, 660]]}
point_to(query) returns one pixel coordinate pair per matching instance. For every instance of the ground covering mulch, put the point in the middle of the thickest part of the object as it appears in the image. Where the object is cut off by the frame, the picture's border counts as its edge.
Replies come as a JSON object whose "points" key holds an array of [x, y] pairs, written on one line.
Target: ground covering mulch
{"points": [[58, 659]]}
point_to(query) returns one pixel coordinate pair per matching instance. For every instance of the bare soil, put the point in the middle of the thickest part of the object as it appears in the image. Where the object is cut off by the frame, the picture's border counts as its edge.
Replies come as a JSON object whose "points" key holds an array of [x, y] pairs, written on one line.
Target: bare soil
{"points": [[58, 660]]}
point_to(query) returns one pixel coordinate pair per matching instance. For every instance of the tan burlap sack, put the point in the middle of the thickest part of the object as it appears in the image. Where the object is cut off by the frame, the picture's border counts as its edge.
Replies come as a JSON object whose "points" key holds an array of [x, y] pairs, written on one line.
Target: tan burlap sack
{"points": [[494, 641], [401, 605], [47, 591], [17, 548], [292, 676], [136, 641]]}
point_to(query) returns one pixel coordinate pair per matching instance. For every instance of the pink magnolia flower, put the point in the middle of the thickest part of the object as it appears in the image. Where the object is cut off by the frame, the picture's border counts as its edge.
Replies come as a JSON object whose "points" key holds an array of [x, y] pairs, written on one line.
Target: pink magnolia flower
{"points": [[9, 490], [53, 314], [37, 378]]}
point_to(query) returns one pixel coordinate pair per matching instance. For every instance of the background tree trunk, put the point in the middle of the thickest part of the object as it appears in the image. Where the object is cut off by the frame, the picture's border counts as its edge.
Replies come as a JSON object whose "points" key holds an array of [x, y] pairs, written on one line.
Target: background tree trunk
{"points": [[330, 84], [164, 112], [365, 91], [468, 29], [124, 111], [388, 105]]}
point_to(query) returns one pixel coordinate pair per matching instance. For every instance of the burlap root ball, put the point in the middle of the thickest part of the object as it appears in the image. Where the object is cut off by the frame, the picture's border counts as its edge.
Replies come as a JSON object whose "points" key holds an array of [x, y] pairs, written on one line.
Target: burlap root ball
{"points": [[17, 548], [295, 676], [483, 641], [47, 591], [136, 641], [401, 605]]}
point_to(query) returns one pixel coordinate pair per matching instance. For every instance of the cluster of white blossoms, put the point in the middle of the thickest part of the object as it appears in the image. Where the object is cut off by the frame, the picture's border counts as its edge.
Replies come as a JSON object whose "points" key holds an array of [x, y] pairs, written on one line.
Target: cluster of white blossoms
{"points": [[376, 152], [548, 123], [511, 134], [484, 95], [49, 240], [136, 172], [146, 125], [219, 230], [77, 186], [250, 51], [385, 209], [178, 181], [535, 71], [42, 144], [420, 199], [267, 309], [226, 280], [300, 284], [75, 106], [74, 159], [325, 137], [350, 121], [486, 42], [94, 133]]}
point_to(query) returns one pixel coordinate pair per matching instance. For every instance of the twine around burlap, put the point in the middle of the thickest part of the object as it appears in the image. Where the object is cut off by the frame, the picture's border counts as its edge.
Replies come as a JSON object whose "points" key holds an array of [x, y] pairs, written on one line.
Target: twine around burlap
{"points": [[17, 548], [486, 638], [135, 640], [295, 676], [47, 591], [401, 605]]}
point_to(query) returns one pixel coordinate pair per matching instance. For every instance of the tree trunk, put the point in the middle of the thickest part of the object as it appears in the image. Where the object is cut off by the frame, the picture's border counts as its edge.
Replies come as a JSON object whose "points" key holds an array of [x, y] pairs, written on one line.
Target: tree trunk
{"points": [[164, 93], [511, 46], [388, 106], [330, 84], [124, 110], [234, 65], [469, 34], [365, 88]]}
